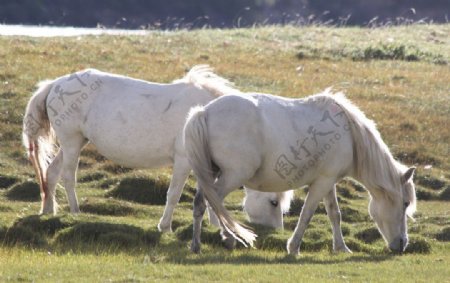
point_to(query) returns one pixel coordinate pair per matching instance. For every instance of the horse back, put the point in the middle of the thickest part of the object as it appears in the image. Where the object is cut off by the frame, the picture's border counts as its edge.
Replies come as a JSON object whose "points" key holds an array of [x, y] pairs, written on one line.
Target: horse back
{"points": [[284, 143], [132, 122]]}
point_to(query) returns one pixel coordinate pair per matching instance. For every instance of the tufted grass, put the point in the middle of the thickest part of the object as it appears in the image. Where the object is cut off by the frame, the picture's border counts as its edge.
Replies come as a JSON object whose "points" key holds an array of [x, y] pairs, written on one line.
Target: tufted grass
{"points": [[397, 75]]}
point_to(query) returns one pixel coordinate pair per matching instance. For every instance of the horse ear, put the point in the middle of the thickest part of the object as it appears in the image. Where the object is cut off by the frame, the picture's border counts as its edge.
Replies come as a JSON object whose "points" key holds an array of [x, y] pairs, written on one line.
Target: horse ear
{"points": [[408, 174]]}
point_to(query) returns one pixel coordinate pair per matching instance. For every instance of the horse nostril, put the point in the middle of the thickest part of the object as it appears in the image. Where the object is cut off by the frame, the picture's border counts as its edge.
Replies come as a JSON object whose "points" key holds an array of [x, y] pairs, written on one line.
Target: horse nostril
{"points": [[398, 246]]}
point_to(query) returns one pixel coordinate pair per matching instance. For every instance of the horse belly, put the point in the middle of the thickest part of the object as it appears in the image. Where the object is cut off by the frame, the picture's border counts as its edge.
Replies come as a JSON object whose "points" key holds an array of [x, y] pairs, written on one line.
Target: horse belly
{"points": [[133, 137], [135, 156], [132, 145]]}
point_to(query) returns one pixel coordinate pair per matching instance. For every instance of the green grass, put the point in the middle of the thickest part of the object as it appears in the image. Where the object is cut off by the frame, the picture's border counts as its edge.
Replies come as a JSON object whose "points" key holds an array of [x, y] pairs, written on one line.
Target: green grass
{"points": [[398, 76]]}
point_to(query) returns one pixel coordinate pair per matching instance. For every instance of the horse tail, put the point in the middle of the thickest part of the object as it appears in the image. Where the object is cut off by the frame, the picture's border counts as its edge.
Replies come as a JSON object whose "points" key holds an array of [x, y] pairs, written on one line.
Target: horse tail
{"points": [[38, 135], [199, 156]]}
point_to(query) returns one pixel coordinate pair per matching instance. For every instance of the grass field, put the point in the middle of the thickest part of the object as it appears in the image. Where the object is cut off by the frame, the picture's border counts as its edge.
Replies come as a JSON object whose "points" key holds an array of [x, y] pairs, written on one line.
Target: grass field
{"points": [[399, 76]]}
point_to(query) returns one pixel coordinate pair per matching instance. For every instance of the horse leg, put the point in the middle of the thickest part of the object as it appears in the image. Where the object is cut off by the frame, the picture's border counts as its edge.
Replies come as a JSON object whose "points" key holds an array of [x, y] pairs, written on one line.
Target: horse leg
{"points": [[180, 173], [69, 169], [213, 220], [228, 182], [332, 208], [53, 175], [198, 212], [316, 192]]}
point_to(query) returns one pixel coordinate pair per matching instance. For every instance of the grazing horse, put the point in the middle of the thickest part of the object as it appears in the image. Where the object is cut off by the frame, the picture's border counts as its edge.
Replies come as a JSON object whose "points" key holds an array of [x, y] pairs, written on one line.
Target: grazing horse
{"points": [[269, 143], [131, 122], [265, 208]]}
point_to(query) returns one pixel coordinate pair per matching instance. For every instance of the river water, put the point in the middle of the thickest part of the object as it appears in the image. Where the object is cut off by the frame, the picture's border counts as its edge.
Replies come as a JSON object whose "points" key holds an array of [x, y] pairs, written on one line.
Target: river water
{"points": [[50, 31]]}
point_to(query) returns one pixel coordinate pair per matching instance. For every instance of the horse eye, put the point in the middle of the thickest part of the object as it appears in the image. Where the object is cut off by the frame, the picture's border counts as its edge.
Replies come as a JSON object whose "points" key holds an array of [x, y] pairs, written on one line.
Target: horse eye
{"points": [[274, 203], [406, 204]]}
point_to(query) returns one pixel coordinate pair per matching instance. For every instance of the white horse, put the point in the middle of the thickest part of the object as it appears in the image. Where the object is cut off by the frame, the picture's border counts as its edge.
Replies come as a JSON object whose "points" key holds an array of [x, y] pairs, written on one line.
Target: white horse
{"points": [[270, 143], [132, 122], [265, 208]]}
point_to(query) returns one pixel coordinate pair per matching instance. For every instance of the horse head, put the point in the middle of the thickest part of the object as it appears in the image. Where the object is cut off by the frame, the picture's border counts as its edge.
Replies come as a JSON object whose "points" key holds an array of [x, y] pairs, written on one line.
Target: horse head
{"points": [[267, 208], [390, 211]]}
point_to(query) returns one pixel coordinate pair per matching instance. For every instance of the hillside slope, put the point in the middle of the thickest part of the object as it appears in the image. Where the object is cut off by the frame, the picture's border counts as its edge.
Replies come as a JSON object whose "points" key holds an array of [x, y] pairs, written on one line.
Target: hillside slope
{"points": [[399, 76]]}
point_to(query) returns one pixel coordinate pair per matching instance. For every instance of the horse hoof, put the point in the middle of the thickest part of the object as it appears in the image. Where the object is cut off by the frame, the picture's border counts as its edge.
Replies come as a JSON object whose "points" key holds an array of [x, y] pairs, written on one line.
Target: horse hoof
{"points": [[229, 243], [195, 247], [343, 249], [292, 248], [49, 208], [47, 212], [293, 252], [164, 228]]}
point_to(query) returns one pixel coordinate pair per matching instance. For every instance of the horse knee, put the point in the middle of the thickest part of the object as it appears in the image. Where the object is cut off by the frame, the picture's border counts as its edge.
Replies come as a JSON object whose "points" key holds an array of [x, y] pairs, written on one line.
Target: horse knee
{"points": [[199, 205], [54, 168], [69, 179], [173, 198], [334, 214]]}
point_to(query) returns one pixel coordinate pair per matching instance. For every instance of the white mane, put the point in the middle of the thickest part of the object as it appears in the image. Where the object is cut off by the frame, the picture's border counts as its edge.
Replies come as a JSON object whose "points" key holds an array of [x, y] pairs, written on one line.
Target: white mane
{"points": [[202, 76], [374, 164], [285, 199]]}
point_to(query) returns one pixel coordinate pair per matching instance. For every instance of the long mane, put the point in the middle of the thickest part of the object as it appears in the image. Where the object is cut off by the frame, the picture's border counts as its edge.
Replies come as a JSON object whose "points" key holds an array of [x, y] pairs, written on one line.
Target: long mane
{"points": [[202, 76], [374, 164]]}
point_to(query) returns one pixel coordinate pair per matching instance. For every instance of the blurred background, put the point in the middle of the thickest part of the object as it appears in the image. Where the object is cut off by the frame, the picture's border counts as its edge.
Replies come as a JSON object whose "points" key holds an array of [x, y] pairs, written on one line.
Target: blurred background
{"points": [[173, 14]]}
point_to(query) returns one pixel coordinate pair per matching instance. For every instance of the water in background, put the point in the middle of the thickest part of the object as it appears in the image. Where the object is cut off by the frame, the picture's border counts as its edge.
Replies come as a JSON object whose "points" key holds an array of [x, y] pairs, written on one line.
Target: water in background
{"points": [[50, 31]]}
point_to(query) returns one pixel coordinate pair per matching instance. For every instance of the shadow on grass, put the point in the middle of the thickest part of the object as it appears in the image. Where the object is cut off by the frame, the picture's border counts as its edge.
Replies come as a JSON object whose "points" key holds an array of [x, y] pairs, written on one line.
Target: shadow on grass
{"points": [[68, 233], [26, 191], [146, 190], [216, 256], [85, 235], [8, 181], [92, 176], [109, 207], [89, 237], [33, 231]]}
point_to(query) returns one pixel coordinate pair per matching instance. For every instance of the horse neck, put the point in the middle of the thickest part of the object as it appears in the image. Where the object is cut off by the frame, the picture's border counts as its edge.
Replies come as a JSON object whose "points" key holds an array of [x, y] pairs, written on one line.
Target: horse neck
{"points": [[381, 174], [373, 163], [375, 166]]}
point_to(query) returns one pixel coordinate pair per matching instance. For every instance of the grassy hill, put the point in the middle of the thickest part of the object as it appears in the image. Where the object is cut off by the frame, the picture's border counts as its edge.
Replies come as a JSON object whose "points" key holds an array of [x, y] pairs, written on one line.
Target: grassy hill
{"points": [[399, 76]]}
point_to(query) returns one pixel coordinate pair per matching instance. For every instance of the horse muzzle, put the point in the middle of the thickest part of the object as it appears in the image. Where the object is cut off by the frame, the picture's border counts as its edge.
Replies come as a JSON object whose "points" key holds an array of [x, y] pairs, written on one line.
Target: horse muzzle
{"points": [[399, 245]]}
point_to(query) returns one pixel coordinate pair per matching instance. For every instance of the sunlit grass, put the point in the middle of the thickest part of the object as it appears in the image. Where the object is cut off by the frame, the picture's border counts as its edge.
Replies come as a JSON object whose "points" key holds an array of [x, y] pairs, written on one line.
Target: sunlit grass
{"points": [[240, 266], [399, 76]]}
